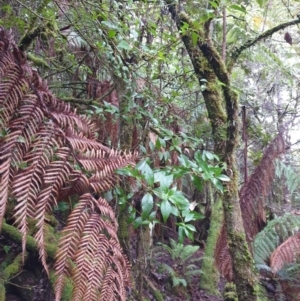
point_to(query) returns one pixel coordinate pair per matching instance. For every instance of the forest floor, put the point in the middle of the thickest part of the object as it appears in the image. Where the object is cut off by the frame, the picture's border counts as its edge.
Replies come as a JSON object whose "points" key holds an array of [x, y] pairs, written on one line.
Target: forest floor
{"points": [[163, 278]]}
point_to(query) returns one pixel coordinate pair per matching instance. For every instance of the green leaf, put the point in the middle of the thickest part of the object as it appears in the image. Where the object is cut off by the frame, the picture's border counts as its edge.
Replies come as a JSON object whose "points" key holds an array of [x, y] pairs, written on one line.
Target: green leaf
{"points": [[185, 162], [194, 37], [188, 217], [166, 209], [178, 199], [238, 7], [124, 45], [146, 171], [132, 214], [217, 183], [197, 181], [109, 24], [190, 227], [180, 234], [163, 179], [209, 155], [128, 171], [147, 205], [138, 221], [224, 178], [261, 3], [111, 33]]}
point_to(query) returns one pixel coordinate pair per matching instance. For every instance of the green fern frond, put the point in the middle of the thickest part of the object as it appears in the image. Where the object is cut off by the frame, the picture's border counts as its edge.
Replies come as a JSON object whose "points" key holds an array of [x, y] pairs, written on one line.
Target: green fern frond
{"points": [[276, 231]]}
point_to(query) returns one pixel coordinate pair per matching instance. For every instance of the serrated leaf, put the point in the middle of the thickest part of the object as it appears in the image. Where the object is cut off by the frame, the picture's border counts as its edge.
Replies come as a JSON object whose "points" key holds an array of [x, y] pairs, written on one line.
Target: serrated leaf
{"points": [[178, 199], [163, 179], [147, 172], [147, 205], [166, 209]]}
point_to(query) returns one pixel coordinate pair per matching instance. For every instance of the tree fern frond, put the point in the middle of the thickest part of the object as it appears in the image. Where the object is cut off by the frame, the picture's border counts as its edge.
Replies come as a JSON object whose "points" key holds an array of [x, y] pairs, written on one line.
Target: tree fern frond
{"points": [[67, 118], [4, 184], [87, 239], [276, 231], [47, 154], [286, 253], [254, 192], [83, 144]]}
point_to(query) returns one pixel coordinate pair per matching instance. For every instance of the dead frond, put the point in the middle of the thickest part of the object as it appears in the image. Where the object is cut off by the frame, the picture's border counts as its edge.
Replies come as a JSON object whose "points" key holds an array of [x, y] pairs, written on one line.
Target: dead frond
{"points": [[252, 201], [47, 154], [286, 253]]}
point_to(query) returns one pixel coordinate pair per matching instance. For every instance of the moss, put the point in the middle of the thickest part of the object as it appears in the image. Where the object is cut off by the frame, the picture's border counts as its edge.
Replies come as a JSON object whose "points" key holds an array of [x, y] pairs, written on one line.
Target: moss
{"points": [[123, 232], [37, 61], [67, 289], [230, 292], [12, 269], [156, 293], [2, 291], [158, 296], [210, 277], [13, 233], [51, 236], [52, 220]]}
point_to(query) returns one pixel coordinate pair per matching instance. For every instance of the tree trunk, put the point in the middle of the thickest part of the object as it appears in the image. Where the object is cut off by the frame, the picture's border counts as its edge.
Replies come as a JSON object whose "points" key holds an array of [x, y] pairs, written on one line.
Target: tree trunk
{"points": [[210, 277], [222, 106]]}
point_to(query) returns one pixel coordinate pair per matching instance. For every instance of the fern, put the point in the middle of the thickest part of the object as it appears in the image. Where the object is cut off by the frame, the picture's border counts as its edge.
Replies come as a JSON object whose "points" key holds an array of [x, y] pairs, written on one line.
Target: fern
{"points": [[275, 250], [48, 154], [252, 201], [181, 255], [291, 177], [276, 231]]}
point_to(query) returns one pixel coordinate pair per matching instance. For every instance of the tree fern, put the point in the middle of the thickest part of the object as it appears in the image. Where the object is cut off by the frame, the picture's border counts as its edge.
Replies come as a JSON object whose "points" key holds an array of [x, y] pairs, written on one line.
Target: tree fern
{"points": [[276, 232], [48, 153]]}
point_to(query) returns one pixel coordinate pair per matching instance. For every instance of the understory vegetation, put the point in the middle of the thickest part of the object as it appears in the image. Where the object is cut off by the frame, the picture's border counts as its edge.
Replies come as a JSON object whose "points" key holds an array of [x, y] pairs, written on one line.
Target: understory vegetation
{"points": [[149, 150]]}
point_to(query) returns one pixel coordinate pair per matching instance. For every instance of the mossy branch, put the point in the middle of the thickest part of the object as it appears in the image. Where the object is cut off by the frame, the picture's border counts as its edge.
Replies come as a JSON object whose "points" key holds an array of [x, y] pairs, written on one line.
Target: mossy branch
{"points": [[13, 269], [236, 53], [31, 245]]}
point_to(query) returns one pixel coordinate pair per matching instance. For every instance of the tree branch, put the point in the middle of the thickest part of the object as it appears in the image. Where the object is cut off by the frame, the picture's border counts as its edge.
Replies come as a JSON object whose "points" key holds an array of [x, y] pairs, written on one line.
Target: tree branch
{"points": [[13, 233], [235, 54]]}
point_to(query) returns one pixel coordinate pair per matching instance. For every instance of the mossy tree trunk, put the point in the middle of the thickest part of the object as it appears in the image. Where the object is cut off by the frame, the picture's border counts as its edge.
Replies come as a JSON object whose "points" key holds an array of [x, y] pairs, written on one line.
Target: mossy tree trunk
{"points": [[222, 106], [210, 277]]}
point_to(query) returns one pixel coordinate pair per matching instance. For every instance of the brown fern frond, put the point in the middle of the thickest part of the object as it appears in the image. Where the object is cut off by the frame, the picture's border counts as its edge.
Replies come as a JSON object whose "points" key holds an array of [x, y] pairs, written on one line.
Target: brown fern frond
{"points": [[91, 242], [286, 253], [252, 201], [254, 193], [48, 154], [222, 255], [55, 176], [83, 144]]}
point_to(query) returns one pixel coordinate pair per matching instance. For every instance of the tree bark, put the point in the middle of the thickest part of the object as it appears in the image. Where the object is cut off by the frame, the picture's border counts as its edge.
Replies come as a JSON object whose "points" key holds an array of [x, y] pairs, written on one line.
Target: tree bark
{"points": [[222, 106]]}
